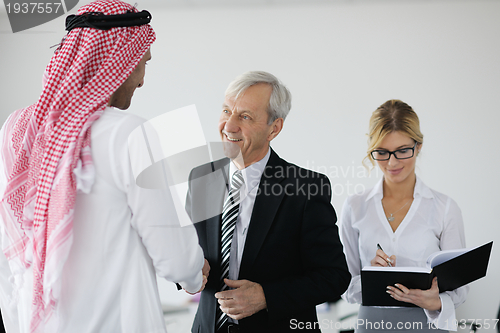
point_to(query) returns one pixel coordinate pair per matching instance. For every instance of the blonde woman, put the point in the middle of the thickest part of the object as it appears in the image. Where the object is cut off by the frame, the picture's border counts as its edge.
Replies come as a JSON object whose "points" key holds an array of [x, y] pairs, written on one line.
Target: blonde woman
{"points": [[408, 219]]}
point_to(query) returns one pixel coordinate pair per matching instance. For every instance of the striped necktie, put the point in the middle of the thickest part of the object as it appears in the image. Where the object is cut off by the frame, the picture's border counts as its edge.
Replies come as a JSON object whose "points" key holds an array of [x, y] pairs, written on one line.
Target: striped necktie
{"points": [[229, 216]]}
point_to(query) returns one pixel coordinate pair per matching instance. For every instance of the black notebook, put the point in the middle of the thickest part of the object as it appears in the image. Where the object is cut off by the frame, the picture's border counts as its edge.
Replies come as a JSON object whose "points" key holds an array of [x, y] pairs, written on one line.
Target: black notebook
{"points": [[454, 268]]}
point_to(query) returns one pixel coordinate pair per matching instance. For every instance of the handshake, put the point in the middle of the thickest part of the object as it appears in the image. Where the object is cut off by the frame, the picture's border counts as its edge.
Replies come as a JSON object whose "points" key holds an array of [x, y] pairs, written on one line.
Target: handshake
{"points": [[205, 271]]}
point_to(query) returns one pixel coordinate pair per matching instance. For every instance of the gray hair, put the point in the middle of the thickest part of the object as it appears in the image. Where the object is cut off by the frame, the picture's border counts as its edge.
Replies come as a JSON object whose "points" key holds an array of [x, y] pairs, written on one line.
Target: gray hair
{"points": [[280, 101]]}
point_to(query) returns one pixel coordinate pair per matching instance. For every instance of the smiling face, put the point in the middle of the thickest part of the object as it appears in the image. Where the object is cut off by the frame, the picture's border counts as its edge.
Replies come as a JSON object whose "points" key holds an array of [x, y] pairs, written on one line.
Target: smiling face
{"points": [[244, 128], [398, 171], [122, 97]]}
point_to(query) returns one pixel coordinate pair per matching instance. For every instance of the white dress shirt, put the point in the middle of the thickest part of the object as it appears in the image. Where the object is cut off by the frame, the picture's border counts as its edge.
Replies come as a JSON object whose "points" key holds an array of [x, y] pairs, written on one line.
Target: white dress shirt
{"points": [[251, 177], [248, 192], [433, 223], [123, 235]]}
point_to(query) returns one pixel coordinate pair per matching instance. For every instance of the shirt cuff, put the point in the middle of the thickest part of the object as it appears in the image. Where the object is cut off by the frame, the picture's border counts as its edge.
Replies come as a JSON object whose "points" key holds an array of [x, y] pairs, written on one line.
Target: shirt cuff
{"points": [[194, 285], [445, 318], [353, 293]]}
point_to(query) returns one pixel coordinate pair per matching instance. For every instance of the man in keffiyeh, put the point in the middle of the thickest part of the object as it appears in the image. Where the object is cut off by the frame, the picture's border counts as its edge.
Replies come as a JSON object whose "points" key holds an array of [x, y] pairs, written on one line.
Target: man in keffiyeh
{"points": [[81, 243]]}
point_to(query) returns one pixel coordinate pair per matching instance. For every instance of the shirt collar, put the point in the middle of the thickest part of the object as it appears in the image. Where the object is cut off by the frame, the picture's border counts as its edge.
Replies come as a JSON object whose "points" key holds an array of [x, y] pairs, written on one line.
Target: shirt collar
{"points": [[421, 190], [252, 173], [377, 190]]}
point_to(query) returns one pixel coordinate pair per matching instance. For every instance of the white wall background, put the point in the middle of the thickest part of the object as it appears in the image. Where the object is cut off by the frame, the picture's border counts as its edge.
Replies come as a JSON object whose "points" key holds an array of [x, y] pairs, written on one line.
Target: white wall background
{"points": [[341, 60]]}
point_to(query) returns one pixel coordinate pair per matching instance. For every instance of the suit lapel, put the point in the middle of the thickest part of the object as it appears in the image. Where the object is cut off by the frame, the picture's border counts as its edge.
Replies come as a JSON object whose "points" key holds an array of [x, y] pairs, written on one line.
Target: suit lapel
{"points": [[264, 210]]}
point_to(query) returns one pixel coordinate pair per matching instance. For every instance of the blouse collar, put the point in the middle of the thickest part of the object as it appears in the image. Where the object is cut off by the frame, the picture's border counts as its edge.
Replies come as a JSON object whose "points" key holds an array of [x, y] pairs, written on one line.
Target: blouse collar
{"points": [[421, 190]]}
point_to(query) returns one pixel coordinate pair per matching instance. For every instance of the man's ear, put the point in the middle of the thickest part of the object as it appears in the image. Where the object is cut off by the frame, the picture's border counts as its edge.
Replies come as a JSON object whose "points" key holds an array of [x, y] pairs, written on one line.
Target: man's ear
{"points": [[276, 128]]}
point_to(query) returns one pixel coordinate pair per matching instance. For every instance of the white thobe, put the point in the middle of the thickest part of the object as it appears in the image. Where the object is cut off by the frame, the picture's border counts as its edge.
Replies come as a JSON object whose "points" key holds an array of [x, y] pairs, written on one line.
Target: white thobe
{"points": [[123, 235]]}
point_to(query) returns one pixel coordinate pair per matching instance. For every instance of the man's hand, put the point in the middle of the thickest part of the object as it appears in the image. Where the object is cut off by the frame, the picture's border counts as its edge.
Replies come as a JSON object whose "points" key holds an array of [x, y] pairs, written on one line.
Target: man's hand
{"points": [[205, 271], [246, 299], [426, 299]]}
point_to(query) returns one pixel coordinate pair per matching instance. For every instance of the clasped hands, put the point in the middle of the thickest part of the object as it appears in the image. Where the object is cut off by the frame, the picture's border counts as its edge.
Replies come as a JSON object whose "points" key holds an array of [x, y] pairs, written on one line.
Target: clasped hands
{"points": [[205, 271], [244, 300], [426, 299]]}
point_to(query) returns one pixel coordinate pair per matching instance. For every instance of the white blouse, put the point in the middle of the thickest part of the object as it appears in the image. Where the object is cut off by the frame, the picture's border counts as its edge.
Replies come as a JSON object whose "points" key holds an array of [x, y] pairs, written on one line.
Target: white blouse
{"points": [[433, 223]]}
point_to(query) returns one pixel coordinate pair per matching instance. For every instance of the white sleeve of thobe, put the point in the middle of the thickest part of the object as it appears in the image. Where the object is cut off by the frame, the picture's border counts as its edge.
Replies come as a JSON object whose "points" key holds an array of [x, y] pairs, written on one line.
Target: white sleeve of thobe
{"points": [[174, 250]]}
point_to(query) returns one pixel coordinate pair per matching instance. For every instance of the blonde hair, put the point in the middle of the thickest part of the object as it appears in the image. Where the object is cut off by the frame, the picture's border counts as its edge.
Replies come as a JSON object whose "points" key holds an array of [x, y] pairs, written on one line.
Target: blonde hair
{"points": [[394, 115]]}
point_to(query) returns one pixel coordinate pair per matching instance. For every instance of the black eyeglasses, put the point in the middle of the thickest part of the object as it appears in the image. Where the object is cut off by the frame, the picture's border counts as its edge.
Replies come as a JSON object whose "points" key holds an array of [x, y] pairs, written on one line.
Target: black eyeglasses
{"points": [[400, 154]]}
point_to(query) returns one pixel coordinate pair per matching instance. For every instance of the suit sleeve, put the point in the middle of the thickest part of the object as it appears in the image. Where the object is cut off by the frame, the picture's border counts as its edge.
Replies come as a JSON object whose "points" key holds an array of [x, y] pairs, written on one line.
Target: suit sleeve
{"points": [[324, 276]]}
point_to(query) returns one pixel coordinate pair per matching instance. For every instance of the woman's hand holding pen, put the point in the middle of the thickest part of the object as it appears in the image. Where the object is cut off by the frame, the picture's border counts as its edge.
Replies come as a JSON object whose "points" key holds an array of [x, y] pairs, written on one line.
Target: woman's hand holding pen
{"points": [[426, 299], [382, 259]]}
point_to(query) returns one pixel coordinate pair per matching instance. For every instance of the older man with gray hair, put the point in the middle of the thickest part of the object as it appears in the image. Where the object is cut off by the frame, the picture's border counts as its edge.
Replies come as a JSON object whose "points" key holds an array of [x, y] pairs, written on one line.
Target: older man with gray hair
{"points": [[273, 247]]}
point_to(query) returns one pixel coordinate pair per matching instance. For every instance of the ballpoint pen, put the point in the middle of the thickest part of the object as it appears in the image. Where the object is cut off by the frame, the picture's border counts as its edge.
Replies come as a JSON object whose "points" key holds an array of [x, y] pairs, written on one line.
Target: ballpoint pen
{"points": [[388, 260]]}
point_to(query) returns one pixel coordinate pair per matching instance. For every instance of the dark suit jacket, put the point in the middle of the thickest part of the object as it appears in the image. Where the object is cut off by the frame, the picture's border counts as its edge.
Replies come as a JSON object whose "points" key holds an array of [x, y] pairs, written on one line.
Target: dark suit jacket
{"points": [[292, 247]]}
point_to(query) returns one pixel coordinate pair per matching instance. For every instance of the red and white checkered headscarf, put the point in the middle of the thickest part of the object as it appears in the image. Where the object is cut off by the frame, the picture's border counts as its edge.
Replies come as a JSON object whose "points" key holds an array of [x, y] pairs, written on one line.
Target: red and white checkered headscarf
{"points": [[45, 142]]}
